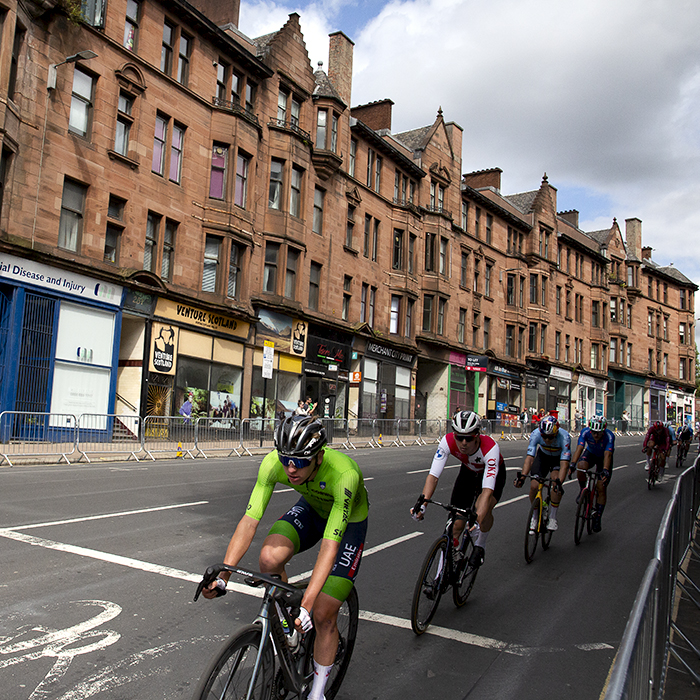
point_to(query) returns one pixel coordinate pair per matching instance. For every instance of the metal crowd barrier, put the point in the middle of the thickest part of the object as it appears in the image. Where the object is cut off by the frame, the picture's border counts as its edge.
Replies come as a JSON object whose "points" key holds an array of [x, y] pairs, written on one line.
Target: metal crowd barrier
{"points": [[218, 435], [172, 435], [24, 434], [112, 434], [640, 667]]}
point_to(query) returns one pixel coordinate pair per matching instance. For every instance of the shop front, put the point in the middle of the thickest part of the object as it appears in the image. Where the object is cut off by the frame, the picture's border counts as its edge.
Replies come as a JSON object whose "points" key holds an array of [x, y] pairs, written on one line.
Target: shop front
{"points": [[680, 406], [465, 372], [504, 394], [559, 393], [195, 363], [590, 401], [386, 382], [657, 401], [59, 341], [626, 393]]}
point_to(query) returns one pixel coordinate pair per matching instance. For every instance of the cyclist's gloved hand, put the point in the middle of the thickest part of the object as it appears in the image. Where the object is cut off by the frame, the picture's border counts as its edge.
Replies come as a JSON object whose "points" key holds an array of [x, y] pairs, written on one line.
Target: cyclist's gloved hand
{"points": [[519, 480], [304, 622], [419, 509], [557, 487], [606, 475], [215, 589]]}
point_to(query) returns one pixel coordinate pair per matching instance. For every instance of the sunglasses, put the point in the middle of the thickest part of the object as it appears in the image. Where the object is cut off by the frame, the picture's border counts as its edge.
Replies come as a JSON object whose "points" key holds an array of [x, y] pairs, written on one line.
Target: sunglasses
{"points": [[296, 462], [467, 438], [548, 437]]}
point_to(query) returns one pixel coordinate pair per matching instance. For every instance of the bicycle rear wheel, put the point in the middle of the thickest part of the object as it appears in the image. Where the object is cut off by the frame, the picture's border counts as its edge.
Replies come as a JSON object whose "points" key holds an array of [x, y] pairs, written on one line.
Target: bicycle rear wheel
{"points": [[427, 593], [653, 471], [546, 533], [531, 535], [348, 616], [582, 513], [465, 574], [229, 674]]}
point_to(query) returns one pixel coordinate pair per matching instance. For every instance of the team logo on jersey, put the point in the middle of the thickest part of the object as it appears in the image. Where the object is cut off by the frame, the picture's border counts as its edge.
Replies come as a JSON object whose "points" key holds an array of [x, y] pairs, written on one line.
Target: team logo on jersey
{"points": [[322, 485], [439, 454]]}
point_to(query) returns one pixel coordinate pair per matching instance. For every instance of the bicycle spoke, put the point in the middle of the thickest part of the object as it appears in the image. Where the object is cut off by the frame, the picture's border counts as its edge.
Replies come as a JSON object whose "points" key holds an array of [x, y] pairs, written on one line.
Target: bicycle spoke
{"points": [[581, 515], [427, 592], [532, 534], [465, 574]]}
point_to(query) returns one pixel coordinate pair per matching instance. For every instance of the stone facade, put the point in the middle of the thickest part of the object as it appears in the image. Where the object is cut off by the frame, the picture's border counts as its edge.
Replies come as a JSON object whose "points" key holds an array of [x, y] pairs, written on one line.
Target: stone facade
{"points": [[230, 195]]}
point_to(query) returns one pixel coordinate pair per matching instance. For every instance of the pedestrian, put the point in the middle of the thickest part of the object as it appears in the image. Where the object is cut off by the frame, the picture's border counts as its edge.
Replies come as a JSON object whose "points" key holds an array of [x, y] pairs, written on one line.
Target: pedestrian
{"points": [[625, 419]]}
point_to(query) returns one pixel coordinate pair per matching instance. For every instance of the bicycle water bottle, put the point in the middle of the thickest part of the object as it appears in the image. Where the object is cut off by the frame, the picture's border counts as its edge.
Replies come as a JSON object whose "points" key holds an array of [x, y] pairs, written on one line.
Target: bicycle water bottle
{"points": [[290, 633]]}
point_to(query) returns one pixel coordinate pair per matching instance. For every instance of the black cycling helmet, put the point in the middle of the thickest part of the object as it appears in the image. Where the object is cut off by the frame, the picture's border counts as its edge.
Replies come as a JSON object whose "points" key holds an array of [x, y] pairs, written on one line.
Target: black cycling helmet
{"points": [[300, 436]]}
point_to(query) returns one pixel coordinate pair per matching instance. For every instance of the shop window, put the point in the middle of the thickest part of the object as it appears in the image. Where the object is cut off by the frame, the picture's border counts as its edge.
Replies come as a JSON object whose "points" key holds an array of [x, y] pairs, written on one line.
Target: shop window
{"points": [[212, 389]]}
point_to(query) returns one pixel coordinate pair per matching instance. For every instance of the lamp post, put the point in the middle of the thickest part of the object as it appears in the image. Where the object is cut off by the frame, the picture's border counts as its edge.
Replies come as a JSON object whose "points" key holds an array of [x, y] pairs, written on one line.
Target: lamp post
{"points": [[51, 85]]}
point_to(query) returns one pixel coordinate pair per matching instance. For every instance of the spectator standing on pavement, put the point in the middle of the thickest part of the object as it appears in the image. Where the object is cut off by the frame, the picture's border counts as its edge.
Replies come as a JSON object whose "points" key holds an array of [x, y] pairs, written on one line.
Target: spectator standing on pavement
{"points": [[625, 420]]}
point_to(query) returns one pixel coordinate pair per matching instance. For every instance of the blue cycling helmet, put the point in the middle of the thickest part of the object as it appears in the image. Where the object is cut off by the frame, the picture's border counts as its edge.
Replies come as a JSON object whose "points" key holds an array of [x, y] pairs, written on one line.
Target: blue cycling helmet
{"points": [[549, 426]]}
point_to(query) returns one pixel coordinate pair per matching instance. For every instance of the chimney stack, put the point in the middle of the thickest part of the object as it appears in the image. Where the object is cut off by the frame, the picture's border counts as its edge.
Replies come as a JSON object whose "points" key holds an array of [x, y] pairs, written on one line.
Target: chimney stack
{"points": [[340, 65], [633, 238], [646, 252]]}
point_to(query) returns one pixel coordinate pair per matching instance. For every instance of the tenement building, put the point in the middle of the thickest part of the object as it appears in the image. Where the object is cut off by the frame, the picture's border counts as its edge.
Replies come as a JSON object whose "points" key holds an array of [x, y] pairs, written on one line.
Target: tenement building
{"points": [[189, 214]]}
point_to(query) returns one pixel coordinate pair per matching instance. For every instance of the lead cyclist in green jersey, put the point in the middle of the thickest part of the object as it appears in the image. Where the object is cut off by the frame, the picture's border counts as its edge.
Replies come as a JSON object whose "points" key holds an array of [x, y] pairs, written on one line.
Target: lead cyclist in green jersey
{"points": [[333, 509]]}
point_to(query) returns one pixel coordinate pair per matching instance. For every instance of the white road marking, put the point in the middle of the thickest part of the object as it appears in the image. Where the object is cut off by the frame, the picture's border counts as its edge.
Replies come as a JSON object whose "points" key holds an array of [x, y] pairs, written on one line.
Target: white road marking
{"points": [[108, 515]]}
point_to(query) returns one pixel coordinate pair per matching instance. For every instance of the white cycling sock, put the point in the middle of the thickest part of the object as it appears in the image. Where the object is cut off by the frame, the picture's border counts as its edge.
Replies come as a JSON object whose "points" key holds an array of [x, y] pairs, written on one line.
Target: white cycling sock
{"points": [[553, 512], [321, 674], [481, 538]]}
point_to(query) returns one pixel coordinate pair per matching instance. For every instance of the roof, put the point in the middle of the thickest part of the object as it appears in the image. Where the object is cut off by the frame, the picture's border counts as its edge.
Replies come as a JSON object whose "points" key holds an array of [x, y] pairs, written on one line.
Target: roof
{"points": [[523, 201], [262, 42], [324, 87], [415, 139]]}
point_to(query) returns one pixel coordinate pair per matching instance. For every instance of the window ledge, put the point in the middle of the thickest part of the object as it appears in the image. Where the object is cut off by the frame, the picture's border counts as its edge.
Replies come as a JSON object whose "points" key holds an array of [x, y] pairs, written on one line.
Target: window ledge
{"points": [[350, 250], [133, 164]]}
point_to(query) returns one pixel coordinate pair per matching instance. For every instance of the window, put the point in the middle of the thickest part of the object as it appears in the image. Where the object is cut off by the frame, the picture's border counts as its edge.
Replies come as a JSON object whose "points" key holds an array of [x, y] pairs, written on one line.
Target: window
{"points": [[489, 228], [166, 268], [347, 296], [183, 61], [219, 164], [629, 355], [176, 148], [442, 307], [477, 222], [408, 326], [443, 257], [613, 310], [150, 251], [463, 269], [521, 293], [543, 339], [397, 257], [314, 285], [558, 301], [681, 333], [131, 25], [241, 194], [487, 333], [115, 226], [510, 289], [378, 174], [475, 329], [70, 226], [465, 215], [353, 157], [475, 281], [681, 368], [367, 236], [375, 241], [544, 291], [334, 133], [534, 285], [665, 327], [461, 325], [510, 341], [276, 182], [317, 224], [395, 310], [81, 102], [234, 271], [295, 192], [350, 228], [363, 302], [250, 96], [159, 140], [92, 12], [222, 70], [124, 122], [595, 314], [682, 293], [612, 350], [321, 128], [428, 312], [272, 251], [532, 338], [370, 166], [557, 345], [650, 360], [372, 300], [290, 278], [167, 47], [487, 280], [14, 65], [210, 269], [595, 356], [665, 365], [665, 293], [430, 252], [650, 323]]}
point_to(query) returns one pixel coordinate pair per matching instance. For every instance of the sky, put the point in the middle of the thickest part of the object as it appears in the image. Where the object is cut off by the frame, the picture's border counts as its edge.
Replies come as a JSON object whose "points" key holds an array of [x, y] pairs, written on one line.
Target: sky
{"points": [[601, 95]]}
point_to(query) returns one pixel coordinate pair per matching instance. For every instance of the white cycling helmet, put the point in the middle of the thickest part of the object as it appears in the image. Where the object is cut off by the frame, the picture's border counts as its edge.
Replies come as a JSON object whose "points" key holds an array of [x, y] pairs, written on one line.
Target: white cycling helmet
{"points": [[598, 423], [466, 422]]}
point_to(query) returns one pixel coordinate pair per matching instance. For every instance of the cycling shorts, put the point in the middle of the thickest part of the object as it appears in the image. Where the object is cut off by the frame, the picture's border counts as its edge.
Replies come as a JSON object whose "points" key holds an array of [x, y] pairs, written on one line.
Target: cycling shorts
{"points": [[469, 484], [543, 464], [594, 461], [305, 527]]}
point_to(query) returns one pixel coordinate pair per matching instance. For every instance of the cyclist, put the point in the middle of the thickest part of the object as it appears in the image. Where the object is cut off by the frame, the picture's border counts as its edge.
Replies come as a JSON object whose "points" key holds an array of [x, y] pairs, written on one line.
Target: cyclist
{"points": [[658, 439], [333, 509], [549, 451], [482, 472], [596, 446], [684, 436]]}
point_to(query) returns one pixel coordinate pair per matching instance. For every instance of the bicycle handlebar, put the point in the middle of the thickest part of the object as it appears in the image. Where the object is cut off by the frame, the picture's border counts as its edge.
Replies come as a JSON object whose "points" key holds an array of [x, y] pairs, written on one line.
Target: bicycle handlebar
{"points": [[466, 512], [290, 593]]}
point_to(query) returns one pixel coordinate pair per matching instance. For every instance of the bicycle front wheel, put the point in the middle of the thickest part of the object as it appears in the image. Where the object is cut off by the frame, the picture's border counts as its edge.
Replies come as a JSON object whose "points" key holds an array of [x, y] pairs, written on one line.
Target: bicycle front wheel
{"points": [[546, 533], [582, 513], [465, 575], [348, 616], [230, 674], [532, 533], [427, 593]]}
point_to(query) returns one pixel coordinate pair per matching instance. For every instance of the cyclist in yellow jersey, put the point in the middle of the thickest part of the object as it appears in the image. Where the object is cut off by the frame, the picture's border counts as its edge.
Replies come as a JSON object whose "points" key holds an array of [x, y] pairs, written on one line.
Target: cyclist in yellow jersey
{"points": [[333, 509]]}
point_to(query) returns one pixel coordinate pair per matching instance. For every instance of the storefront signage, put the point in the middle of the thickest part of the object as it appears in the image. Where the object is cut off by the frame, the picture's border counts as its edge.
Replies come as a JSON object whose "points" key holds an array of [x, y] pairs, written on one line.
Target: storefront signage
{"points": [[326, 352], [289, 334], [210, 320], [163, 348], [398, 356], [503, 371], [355, 377], [653, 384], [477, 363], [585, 380], [52, 278], [140, 302], [559, 373], [268, 359]]}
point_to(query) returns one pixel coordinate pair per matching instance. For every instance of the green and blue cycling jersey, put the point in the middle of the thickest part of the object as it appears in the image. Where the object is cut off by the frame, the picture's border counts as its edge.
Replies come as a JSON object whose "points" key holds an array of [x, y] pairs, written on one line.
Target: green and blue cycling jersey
{"points": [[336, 493]]}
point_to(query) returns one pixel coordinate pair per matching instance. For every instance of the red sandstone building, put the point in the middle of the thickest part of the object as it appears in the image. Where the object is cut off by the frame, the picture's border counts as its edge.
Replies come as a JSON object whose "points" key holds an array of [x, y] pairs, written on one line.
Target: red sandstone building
{"points": [[190, 213]]}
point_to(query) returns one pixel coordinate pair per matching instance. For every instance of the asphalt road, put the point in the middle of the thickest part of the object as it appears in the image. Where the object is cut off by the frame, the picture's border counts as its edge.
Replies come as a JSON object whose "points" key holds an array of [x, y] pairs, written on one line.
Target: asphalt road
{"points": [[98, 565]]}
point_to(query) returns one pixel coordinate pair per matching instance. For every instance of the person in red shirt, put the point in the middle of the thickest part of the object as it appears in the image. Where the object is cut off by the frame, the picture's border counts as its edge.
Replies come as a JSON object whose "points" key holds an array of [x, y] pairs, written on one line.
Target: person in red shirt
{"points": [[658, 438]]}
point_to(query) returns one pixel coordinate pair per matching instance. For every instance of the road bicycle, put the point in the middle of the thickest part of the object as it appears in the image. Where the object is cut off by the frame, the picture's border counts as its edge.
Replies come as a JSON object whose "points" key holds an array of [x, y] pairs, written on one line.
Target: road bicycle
{"points": [[269, 659], [586, 504], [538, 517], [444, 566], [681, 453], [654, 469]]}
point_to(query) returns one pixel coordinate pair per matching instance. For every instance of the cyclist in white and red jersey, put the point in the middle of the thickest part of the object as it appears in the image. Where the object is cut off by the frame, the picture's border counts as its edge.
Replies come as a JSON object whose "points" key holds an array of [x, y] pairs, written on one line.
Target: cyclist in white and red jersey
{"points": [[482, 472]]}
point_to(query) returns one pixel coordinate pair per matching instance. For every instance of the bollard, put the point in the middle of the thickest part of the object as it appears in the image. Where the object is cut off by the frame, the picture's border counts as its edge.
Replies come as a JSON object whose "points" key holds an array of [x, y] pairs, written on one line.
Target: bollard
{"points": [[179, 449], [380, 440]]}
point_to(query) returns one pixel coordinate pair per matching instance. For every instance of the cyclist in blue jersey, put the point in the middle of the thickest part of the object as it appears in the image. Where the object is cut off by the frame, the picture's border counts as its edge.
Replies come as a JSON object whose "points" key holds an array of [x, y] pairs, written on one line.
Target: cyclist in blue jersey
{"points": [[549, 450], [596, 446]]}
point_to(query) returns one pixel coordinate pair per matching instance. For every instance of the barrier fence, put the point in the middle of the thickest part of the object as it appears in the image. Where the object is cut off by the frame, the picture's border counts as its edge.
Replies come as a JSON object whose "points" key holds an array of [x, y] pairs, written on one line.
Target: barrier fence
{"points": [[652, 636]]}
